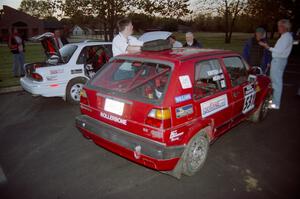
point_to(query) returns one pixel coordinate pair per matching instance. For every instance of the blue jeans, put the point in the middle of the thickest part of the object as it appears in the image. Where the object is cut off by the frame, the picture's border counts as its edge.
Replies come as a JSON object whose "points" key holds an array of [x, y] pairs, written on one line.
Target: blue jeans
{"points": [[277, 68], [18, 64]]}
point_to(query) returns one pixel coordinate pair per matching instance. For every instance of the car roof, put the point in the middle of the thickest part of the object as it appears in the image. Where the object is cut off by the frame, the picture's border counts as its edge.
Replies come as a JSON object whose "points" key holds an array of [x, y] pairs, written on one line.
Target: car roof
{"points": [[91, 43], [180, 54]]}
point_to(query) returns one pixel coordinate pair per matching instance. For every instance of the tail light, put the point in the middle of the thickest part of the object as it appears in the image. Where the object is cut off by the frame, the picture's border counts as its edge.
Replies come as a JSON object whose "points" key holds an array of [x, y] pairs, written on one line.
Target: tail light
{"points": [[37, 77], [83, 97], [160, 118]]}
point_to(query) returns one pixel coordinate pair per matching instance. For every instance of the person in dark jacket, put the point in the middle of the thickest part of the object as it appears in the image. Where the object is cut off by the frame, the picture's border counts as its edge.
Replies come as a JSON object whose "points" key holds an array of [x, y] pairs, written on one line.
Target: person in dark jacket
{"points": [[191, 41], [255, 54], [17, 48]]}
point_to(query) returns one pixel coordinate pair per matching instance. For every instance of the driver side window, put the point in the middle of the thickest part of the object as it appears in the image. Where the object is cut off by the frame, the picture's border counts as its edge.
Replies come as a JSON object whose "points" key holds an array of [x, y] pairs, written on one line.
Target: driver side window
{"points": [[236, 69]]}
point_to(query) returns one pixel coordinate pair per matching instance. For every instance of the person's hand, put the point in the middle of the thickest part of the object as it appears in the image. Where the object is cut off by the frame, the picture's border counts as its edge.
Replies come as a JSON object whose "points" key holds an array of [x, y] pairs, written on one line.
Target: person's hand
{"points": [[263, 44]]}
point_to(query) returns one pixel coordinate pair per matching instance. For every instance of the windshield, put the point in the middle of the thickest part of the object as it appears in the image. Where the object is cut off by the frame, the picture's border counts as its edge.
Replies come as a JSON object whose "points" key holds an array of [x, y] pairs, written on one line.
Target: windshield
{"points": [[138, 80], [67, 52]]}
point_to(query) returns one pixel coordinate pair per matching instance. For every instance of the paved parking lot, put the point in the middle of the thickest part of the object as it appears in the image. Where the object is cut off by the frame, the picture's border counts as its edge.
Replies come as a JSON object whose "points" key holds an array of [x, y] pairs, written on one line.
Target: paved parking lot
{"points": [[43, 155]]}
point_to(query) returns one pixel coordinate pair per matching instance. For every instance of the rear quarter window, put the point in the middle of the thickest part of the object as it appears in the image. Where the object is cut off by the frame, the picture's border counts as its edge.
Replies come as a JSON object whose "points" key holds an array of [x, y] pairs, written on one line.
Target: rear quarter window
{"points": [[209, 78]]}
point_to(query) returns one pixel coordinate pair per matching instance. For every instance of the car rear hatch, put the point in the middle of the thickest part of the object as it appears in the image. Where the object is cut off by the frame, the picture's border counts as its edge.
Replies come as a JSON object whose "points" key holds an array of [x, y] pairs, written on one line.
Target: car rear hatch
{"points": [[129, 94]]}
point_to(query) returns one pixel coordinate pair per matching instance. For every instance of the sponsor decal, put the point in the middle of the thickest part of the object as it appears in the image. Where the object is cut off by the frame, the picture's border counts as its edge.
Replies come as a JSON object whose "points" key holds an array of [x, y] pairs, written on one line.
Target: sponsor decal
{"points": [[185, 81], [137, 152], [51, 78], [249, 99], [223, 84], [174, 135], [214, 105], [113, 118], [218, 77], [184, 111], [252, 78], [76, 71], [214, 72], [156, 134], [57, 71], [183, 98]]}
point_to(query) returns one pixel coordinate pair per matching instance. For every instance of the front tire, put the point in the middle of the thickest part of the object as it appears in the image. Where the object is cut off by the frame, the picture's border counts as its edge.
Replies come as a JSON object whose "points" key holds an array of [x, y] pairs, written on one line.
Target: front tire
{"points": [[195, 154], [73, 90]]}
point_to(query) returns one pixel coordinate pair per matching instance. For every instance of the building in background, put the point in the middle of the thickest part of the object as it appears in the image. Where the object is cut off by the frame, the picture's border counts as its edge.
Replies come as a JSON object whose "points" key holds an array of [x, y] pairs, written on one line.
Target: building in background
{"points": [[27, 25]]}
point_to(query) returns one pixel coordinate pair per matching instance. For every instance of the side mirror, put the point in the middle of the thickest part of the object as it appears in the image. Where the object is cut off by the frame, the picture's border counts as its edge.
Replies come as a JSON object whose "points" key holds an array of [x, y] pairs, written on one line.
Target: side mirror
{"points": [[256, 70]]}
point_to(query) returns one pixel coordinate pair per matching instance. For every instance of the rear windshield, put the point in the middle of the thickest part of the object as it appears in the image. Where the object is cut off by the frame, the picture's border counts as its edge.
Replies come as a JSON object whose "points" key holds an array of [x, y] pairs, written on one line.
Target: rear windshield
{"points": [[143, 81], [67, 52]]}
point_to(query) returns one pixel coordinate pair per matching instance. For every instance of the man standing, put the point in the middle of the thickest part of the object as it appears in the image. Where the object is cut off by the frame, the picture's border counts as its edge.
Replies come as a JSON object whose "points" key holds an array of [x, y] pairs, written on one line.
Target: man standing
{"points": [[59, 40], [191, 41], [125, 43], [255, 54], [17, 47], [280, 54]]}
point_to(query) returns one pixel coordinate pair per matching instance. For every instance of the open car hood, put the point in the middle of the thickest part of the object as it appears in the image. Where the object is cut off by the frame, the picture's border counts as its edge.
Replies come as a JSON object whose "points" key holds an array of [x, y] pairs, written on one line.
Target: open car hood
{"points": [[155, 35], [49, 45]]}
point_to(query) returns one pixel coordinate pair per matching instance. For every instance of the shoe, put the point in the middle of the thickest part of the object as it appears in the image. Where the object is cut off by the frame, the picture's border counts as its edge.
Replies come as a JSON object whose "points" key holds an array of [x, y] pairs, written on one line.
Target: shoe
{"points": [[273, 106]]}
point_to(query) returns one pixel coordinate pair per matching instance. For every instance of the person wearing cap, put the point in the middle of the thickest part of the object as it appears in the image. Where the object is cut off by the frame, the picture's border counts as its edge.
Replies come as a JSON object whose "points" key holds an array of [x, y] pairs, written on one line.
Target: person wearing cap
{"points": [[123, 42], [255, 54], [280, 53], [174, 42], [191, 42]]}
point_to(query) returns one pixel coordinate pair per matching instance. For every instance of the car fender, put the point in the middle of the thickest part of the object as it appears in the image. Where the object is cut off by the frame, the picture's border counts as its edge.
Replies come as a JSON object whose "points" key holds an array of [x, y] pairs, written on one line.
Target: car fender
{"points": [[198, 125]]}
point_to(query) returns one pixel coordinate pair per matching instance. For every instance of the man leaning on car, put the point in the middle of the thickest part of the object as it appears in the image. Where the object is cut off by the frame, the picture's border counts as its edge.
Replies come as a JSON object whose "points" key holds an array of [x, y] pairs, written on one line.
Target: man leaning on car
{"points": [[125, 43]]}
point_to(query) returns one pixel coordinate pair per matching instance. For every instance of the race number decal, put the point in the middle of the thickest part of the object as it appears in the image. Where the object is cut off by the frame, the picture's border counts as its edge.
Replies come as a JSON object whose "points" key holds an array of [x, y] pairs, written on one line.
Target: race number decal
{"points": [[249, 93]]}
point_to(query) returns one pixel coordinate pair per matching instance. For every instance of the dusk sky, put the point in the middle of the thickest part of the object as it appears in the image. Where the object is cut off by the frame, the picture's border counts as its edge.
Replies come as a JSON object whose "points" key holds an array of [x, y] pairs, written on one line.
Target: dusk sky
{"points": [[11, 3]]}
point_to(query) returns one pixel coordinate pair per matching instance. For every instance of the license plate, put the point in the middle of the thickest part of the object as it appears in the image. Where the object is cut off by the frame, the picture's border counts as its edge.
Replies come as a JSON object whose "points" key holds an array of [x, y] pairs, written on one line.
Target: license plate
{"points": [[114, 106]]}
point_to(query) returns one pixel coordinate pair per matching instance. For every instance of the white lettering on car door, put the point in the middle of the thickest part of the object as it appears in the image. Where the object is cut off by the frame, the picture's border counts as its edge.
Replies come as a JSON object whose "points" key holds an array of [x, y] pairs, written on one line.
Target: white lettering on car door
{"points": [[249, 99]]}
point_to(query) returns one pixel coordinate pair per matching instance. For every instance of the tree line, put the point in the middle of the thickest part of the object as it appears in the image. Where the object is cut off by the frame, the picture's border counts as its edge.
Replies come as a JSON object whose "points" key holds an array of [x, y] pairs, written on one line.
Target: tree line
{"points": [[200, 15]]}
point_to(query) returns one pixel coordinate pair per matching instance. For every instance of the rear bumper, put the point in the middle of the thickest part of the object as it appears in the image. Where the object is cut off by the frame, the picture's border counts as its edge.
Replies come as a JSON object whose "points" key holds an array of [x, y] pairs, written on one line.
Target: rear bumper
{"points": [[151, 154], [39, 88]]}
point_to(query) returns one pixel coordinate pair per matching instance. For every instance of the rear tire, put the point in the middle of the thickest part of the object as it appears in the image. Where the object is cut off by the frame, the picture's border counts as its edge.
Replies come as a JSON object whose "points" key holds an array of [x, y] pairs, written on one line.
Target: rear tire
{"points": [[73, 90], [195, 154], [261, 113]]}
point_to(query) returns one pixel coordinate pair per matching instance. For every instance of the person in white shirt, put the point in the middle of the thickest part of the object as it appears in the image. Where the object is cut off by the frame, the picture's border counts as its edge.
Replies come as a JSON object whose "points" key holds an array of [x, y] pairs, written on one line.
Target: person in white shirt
{"points": [[174, 42], [280, 53], [123, 42]]}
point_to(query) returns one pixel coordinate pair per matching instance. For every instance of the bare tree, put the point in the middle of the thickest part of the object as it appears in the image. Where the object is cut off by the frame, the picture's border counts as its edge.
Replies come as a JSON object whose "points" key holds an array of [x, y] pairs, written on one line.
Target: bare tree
{"points": [[228, 9]]}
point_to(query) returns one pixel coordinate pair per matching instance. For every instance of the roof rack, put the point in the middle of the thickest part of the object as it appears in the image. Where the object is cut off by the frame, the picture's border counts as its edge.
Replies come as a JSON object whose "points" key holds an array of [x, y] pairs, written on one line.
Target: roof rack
{"points": [[157, 45]]}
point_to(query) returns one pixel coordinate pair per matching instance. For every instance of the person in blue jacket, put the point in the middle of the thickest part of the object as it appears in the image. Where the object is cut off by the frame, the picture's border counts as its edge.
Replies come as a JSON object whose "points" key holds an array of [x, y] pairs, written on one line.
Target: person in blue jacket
{"points": [[255, 54]]}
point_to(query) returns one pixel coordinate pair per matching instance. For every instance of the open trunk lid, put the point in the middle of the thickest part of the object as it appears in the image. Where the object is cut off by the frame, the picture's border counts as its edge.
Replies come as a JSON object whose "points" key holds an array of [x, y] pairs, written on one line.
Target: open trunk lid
{"points": [[50, 48]]}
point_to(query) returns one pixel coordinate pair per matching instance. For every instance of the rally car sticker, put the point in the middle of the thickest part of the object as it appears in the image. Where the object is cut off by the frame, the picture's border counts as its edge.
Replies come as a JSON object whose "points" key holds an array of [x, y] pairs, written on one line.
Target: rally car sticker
{"points": [[57, 71], [184, 110], [113, 118], [183, 98], [249, 99], [214, 72], [76, 71], [185, 82], [174, 135], [214, 105], [223, 85]]}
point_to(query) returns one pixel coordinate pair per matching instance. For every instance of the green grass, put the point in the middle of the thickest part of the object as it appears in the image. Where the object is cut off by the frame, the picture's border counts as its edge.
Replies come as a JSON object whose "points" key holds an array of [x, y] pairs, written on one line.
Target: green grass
{"points": [[35, 53]]}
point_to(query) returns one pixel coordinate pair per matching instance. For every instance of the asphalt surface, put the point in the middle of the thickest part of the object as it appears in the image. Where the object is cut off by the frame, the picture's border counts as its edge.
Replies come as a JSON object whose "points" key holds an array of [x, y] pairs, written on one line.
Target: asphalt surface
{"points": [[43, 155]]}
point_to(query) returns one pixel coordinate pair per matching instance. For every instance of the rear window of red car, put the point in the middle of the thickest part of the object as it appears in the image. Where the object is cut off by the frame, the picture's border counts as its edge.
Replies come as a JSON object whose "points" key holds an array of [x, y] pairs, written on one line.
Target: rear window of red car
{"points": [[139, 80]]}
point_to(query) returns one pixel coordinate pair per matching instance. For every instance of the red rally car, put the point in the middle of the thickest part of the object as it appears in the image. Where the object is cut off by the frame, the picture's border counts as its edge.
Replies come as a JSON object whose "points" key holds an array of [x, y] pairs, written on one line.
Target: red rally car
{"points": [[162, 109]]}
